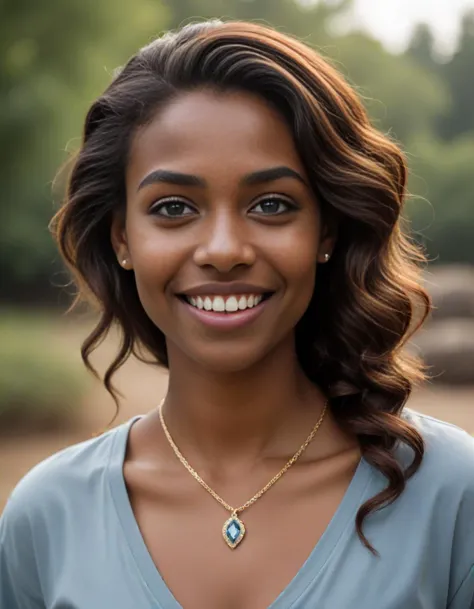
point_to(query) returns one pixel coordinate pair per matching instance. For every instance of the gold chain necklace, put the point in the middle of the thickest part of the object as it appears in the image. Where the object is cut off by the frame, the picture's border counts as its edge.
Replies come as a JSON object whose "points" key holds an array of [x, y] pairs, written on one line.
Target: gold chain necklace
{"points": [[233, 530]]}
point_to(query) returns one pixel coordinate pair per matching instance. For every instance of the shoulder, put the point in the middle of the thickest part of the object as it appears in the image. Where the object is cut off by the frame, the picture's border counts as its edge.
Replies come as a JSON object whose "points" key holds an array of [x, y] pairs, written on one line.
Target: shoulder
{"points": [[58, 480], [50, 510], [449, 450], [441, 493], [443, 485]]}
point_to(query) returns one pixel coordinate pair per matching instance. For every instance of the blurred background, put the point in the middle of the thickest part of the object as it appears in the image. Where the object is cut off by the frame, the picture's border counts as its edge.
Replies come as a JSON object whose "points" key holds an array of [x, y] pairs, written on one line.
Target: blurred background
{"points": [[411, 60]]}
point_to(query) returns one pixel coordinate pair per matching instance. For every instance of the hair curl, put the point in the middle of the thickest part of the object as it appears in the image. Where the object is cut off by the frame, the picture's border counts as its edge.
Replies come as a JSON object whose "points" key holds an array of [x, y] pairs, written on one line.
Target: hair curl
{"points": [[369, 299]]}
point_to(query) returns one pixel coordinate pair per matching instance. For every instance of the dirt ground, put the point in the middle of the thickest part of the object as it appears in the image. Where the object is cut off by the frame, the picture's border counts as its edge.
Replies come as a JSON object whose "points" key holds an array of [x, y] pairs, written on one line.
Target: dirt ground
{"points": [[143, 387]]}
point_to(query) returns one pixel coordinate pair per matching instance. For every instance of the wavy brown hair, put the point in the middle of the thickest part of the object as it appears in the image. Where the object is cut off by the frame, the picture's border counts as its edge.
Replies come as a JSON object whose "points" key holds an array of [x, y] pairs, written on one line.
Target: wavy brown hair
{"points": [[369, 299]]}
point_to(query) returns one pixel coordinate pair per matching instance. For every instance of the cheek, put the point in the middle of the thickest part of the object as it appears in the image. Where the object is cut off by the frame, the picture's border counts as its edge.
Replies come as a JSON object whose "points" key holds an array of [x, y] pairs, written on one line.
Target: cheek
{"points": [[295, 257], [156, 258], [296, 250], [299, 267]]}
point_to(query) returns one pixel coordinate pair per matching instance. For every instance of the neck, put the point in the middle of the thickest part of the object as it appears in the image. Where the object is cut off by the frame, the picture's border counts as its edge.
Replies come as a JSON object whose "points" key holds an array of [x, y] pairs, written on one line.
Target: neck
{"points": [[267, 410]]}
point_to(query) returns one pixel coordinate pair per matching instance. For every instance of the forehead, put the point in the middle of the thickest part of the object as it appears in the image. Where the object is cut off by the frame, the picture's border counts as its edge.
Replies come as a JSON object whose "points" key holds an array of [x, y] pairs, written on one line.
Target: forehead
{"points": [[200, 130]]}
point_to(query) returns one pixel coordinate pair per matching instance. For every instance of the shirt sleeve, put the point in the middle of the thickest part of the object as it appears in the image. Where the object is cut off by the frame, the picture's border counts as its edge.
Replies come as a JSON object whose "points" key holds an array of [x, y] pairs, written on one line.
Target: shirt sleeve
{"points": [[464, 596], [19, 582]]}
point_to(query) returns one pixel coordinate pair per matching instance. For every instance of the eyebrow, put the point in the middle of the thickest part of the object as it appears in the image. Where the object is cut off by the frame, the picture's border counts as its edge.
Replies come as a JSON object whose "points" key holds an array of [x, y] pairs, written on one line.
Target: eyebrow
{"points": [[185, 179]]}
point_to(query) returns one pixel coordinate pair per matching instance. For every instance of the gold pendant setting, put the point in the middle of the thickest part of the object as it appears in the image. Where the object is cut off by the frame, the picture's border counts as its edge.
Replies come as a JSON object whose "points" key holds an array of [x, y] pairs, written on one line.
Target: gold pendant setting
{"points": [[233, 531]]}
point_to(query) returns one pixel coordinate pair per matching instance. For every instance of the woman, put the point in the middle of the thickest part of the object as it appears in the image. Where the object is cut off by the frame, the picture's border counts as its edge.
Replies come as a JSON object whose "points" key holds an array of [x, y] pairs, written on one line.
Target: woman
{"points": [[233, 211]]}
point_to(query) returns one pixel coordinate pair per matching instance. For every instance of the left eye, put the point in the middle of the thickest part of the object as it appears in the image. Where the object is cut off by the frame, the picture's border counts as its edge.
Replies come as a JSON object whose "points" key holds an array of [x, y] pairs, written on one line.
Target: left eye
{"points": [[272, 206]]}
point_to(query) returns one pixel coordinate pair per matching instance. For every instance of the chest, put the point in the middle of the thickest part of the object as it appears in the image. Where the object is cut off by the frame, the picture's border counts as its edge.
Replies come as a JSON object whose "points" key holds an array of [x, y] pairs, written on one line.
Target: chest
{"points": [[163, 548], [182, 530]]}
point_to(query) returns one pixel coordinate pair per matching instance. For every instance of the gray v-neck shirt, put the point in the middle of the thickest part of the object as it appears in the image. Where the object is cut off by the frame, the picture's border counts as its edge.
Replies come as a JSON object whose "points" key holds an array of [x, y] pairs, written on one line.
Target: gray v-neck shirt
{"points": [[69, 538]]}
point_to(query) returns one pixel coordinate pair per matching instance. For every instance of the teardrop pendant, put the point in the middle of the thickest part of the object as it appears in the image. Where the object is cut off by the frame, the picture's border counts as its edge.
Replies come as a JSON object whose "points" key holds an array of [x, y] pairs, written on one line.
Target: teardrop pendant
{"points": [[233, 531]]}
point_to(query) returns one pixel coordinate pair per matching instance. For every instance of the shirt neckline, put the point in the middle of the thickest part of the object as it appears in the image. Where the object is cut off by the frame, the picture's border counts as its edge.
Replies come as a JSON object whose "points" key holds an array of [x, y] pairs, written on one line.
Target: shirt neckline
{"points": [[338, 528]]}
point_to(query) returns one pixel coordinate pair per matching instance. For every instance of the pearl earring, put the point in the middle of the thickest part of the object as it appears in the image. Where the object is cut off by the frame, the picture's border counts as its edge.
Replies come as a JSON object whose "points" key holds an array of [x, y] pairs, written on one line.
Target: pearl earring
{"points": [[124, 262], [326, 257]]}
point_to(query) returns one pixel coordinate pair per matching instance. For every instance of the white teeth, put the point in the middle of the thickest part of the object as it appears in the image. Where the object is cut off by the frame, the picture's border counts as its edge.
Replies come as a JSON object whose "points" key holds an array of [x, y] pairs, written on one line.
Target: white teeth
{"points": [[229, 304], [218, 304]]}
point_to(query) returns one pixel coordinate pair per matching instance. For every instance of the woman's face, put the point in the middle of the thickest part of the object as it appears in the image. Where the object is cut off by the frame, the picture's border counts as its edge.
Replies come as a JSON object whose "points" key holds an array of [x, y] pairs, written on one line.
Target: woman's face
{"points": [[222, 230]]}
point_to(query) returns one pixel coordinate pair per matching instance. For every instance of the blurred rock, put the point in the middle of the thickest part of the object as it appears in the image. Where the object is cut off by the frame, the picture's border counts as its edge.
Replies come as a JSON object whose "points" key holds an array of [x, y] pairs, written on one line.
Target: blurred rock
{"points": [[452, 290], [447, 347]]}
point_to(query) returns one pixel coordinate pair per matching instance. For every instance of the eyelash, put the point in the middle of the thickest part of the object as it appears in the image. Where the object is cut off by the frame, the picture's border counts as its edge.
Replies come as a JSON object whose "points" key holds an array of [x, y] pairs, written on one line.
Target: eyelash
{"points": [[155, 209], [291, 206]]}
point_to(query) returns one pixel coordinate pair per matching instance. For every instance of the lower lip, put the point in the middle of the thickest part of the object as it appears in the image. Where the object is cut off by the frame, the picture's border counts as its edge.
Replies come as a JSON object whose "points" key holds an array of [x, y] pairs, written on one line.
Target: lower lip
{"points": [[226, 321]]}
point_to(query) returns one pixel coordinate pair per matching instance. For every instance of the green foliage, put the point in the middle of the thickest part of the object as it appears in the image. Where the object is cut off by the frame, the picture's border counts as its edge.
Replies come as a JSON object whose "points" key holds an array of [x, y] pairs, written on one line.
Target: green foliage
{"points": [[458, 75], [40, 386], [443, 174], [55, 57], [400, 95], [422, 47]]}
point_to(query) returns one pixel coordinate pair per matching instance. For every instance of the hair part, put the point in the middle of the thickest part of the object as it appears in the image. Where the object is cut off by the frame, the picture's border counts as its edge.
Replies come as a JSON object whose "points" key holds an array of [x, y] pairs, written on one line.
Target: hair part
{"points": [[367, 301]]}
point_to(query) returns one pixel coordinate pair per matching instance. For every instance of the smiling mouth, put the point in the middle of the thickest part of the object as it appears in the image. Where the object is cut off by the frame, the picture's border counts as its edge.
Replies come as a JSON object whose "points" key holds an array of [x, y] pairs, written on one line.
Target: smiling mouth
{"points": [[228, 304]]}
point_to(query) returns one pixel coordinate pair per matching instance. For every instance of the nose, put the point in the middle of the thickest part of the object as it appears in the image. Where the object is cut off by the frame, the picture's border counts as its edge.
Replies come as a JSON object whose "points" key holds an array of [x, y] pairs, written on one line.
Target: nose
{"points": [[223, 243]]}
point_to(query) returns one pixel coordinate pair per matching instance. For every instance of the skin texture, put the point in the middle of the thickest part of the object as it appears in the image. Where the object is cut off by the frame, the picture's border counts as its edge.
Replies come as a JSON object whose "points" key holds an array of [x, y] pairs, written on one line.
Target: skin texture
{"points": [[238, 404]]}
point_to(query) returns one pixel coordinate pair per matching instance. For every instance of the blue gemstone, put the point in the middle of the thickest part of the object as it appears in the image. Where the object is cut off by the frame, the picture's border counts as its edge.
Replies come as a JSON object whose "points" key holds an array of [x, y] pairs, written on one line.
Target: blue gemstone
{"points": [[233, 531]]}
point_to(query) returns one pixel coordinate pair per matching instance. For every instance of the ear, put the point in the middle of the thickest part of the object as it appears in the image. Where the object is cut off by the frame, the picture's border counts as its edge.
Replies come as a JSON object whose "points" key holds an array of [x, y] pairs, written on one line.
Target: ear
{"points": [[328, 238], [118, 237]]}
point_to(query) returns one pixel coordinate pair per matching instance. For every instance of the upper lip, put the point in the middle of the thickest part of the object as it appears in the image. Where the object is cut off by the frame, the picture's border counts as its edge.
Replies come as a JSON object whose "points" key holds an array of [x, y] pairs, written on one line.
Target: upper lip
{"points": [[217, 288]]}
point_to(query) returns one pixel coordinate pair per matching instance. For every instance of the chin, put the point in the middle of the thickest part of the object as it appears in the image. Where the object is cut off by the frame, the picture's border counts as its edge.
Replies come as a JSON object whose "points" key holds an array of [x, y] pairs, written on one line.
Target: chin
{"points": [[228, 359]]}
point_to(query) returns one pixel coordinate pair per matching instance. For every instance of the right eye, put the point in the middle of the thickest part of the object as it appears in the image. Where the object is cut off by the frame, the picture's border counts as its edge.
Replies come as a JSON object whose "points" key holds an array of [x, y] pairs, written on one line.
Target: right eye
{"points": [[172, 208]]}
